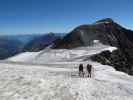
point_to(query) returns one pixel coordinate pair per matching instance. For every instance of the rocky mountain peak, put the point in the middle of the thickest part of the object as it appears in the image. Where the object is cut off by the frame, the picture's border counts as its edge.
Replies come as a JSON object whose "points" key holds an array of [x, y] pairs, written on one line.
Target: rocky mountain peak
{"points": [[106, 20], [106, 31]]}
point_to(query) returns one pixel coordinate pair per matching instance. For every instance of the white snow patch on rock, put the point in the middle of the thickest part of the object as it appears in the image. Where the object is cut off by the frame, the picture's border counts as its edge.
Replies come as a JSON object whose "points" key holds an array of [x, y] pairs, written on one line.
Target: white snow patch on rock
{"points": [[95, 41]]}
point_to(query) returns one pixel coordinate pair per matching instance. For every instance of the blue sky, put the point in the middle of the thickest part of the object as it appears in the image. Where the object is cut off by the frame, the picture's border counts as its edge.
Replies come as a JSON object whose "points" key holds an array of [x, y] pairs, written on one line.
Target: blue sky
{"points": [[42, 16]]}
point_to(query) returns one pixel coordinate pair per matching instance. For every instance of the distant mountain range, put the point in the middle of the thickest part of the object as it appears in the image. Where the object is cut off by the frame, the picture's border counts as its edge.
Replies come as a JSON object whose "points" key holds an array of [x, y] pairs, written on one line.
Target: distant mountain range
{"points": [[40, 42], [11, 45]]}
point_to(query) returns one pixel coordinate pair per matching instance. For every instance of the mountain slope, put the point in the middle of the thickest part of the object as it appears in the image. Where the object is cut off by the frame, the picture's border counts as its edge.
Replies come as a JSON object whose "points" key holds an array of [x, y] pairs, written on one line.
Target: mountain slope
{"points": [[40, 42], [105, 31], [54, 56], [11, 45]]}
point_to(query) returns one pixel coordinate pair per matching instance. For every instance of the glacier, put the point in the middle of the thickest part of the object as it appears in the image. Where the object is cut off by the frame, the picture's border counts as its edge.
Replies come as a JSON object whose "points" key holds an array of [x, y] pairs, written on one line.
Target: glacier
{"points": [[53, 75]]}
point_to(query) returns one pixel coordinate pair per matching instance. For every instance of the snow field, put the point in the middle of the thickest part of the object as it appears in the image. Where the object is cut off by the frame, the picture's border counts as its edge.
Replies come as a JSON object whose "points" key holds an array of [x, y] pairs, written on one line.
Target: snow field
{"points": [[48, 82], [53, 75]]}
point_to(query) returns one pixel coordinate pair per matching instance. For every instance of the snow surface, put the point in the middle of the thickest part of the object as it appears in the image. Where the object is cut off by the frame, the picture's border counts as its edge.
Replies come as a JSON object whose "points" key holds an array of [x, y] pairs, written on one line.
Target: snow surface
{"points": [[61, 82], [57, 77], [54, 56], [96, 41]]}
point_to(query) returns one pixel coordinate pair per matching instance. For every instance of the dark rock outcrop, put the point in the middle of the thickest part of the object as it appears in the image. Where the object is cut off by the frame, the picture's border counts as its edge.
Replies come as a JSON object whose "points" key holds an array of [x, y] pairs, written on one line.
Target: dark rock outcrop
{"points": [[116, 59]]}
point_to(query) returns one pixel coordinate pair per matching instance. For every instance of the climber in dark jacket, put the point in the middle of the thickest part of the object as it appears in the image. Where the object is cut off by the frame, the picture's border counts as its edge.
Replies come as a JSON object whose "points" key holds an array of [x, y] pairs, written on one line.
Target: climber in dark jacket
{"points": [[81, 70], [89, 70]]}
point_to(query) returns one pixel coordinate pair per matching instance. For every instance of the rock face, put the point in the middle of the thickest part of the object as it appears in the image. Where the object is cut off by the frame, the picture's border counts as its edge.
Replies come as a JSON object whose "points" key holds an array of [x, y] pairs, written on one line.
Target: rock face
{"points": [[116, 59]]}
